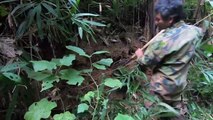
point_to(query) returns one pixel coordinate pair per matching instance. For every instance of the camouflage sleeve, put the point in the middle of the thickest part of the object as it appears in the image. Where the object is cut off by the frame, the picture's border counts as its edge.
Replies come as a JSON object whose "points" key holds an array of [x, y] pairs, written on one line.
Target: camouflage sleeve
{"points": [[154, 54]]}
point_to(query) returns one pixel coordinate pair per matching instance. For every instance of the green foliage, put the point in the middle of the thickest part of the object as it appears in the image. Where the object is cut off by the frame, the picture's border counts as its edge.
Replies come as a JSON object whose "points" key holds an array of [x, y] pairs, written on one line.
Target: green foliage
{"points": [[119, 8], [201, 73], [123, 117], [211, 3], [10, 71], [3, 11], [67, 60], [48, 82], [61, 21], [132, 107], [7, 1], [13, 66], [13, 77], [73, 76], [59, 18], [190, 6], [39, 75], [196, 112], [101, 65], [87, 97], [38, 110], [82, 108], [43, 65], [113, 83], [201, 80], [81, 52], [50, 72], [164, 110], [64, 116], [78, 50], [130, 78], [42, 109], [85, 24]]}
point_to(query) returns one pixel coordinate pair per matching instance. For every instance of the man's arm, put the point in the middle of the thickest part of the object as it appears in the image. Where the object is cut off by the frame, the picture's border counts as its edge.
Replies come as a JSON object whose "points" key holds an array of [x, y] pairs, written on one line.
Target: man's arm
{"points": [[153, 54]]}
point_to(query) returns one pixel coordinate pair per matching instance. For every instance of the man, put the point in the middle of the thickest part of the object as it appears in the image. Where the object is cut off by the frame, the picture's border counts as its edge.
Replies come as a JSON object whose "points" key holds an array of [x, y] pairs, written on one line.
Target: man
{"points": [[170, 54]]}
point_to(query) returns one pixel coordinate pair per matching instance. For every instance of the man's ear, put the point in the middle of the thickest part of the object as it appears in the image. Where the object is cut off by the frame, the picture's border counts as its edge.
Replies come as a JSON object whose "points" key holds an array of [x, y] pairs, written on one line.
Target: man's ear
{"points": [[171, 20]]}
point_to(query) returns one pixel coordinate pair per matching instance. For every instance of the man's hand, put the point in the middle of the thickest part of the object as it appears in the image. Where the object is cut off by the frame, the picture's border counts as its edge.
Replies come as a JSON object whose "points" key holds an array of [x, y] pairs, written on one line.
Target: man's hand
{"points": [[139, 53]]}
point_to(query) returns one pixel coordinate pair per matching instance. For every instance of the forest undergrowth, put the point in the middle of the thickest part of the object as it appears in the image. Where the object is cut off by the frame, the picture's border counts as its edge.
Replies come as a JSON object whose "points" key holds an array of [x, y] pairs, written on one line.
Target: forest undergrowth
{"points": [[65, 60]]}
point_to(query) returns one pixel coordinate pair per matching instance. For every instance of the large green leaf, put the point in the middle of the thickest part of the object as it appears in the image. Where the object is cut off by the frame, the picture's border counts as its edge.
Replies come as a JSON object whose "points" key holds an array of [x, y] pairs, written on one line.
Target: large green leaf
{"points": [[50, 9], [77, 50], [94, 23], [208, 74], [22, 29], [123, 117], [38, 110], [106, 62], [86, 70], [39, 76], [88, 96], [7, 1], [99, 52], [13, 77], [21, 8], [84, 25], [113, 83], [46, 85], [82, 108], [67, 60], [39, 21], [211, 2], [165, 110], [43, 65], [85, 14], [208, 48], [48, 82], [76, 80], [64, 116], [100, 67], [30, 17], [73, 76], [13, 66], [56, 61]]}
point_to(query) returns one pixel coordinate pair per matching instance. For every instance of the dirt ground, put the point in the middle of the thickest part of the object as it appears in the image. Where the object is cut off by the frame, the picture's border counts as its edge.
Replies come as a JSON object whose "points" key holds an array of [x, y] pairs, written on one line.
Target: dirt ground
{"points": [[121, 47]]}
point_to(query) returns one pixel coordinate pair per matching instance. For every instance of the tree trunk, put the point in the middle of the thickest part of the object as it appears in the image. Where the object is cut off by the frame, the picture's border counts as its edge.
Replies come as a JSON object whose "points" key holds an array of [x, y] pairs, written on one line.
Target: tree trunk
{"points": [[149, 29]]}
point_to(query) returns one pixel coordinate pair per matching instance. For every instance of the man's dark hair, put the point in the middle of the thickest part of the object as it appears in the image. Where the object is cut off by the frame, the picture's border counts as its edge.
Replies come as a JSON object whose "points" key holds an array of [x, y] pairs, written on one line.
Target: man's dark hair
{"points": [[170, 9]]}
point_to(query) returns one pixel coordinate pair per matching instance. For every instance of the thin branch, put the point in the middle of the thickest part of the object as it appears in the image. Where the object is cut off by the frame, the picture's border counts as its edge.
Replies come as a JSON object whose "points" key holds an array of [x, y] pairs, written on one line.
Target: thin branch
{"points": [[203, 19], [96, 106]]}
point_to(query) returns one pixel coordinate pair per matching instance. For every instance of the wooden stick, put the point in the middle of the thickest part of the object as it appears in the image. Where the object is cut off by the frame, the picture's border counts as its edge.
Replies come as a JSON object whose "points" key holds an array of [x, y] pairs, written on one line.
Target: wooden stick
{"points": [[147, 44]]}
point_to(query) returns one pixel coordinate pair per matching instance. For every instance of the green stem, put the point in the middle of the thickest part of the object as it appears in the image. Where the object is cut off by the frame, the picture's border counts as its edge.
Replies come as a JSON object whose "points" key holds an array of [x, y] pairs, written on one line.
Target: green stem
{"points": [[98, 97]]}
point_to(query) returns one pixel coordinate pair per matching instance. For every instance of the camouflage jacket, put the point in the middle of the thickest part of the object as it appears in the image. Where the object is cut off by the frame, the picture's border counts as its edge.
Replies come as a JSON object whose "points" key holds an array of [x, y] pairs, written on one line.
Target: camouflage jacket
{"points": [[169, 56]]}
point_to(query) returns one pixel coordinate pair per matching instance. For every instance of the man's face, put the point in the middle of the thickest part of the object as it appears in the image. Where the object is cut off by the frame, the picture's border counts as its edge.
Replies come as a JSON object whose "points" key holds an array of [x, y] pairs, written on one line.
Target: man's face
{"points": [[162, 24]]}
